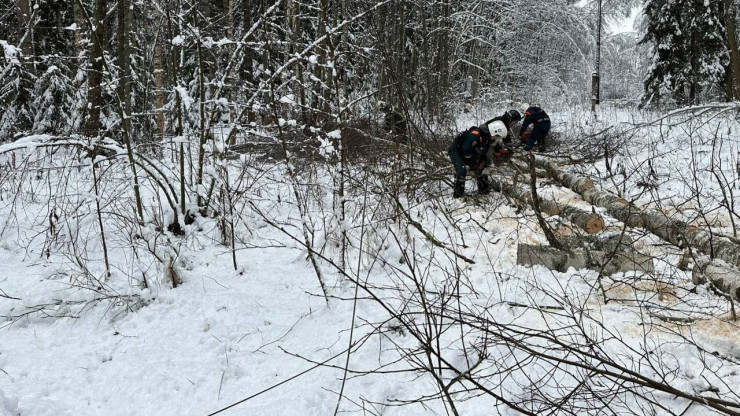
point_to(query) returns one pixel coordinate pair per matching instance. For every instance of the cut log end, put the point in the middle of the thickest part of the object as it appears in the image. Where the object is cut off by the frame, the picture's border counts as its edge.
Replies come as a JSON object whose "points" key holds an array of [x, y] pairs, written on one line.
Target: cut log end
{"points": [[622, 201], [587, 184], [595, 224]]}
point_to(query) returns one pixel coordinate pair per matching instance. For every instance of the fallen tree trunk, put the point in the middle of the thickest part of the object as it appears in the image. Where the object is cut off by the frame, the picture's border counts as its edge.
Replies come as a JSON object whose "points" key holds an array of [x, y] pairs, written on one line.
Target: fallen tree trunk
{"points": [[617, 207], [621, 262], [724, 277], [561, 261], [676, 232], [590, 222], [550, 257], [610, 254], [520, 165]]}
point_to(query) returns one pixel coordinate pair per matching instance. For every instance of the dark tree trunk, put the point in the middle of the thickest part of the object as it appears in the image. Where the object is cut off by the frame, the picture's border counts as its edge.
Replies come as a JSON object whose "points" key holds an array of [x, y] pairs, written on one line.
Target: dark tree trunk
{"points": [[95, 71], [733, 77], [124, 60], [25, 32]]}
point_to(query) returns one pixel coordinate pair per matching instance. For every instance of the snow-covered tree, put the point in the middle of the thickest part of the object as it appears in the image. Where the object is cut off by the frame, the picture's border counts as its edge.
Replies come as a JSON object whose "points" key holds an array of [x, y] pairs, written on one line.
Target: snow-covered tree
{"points": [[53, 100], [689, 52], [16, 85]]}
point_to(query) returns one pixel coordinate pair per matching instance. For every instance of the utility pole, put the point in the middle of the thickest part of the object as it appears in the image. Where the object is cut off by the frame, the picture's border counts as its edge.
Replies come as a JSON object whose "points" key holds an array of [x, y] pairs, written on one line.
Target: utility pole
{"points": [[595, 83]]}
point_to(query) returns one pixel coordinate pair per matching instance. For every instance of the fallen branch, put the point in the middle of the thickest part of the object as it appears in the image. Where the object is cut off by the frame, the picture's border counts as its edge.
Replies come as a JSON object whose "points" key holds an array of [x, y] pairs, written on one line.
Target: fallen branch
{"points": [[6, 296], [536, 205], [429, 236], [543, 307]]}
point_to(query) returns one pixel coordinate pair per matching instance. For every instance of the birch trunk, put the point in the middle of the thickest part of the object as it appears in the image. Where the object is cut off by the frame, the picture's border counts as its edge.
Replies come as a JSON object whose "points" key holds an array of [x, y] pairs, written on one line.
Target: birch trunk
{"points": [[725, 278], [561, 261], [592, 223], [674, 231]]}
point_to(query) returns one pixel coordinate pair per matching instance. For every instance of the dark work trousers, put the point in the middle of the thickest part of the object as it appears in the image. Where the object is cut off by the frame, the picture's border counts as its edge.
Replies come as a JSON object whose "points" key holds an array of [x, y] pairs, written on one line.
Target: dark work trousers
{"points": [[460, 172], [539, 131], [483, 181]]}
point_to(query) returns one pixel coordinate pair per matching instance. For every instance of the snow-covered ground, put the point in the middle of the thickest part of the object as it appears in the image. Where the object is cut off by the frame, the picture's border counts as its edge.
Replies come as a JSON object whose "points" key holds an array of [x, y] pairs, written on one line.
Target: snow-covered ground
{"points": [[446, 306]]}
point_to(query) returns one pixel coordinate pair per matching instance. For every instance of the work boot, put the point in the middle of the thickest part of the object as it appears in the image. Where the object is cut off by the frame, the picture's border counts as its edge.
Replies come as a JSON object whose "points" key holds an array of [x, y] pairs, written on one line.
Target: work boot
{"points": [[458, 188], [484, 184]]}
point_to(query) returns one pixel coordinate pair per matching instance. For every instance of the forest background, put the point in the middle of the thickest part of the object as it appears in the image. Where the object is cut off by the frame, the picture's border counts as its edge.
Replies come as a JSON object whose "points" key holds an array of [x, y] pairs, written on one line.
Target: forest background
{"points": [[201, 202]]}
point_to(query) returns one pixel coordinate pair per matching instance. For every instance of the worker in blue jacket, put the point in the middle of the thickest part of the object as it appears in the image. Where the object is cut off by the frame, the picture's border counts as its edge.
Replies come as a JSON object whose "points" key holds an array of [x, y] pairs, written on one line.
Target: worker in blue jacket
{"points": [[468, 153], [541, 126]]}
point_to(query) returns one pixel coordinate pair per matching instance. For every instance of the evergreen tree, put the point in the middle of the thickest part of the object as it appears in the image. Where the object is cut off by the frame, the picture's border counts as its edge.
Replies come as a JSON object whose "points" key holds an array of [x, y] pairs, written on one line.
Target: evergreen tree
{"points": [[53, 101], [16, 85], [689, 52], [52, 34]]}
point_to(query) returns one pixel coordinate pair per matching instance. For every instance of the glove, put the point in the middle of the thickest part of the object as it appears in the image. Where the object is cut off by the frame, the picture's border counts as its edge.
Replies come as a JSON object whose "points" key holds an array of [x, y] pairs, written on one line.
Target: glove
{"points": [[501, 153], [481, 166], [525, 137]]}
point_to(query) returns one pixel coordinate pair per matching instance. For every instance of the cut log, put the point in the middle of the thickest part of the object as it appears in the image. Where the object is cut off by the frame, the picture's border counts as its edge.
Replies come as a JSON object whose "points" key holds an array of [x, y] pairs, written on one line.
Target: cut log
{"points": [[590, 222], [616, 242], [724, 277], [550, 257], [621, 262], [617, 207], [683, 264], [561, 261], [610, 243], [674, 231]]}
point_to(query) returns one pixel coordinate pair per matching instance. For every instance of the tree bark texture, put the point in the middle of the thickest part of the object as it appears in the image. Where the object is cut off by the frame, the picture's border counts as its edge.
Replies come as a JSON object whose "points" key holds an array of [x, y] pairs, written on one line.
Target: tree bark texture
{"points": [[81, 22], [724, 277], [124, 60], [159, 83], [590, 222], [733, 78], [550, 257], [23, 13], [95, 70], [561, 261], [674, 231]]}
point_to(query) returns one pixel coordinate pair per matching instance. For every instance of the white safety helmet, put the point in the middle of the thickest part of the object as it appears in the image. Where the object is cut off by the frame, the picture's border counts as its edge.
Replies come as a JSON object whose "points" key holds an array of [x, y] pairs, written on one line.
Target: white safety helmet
{"points": [[498, 129], [523, 107]]}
